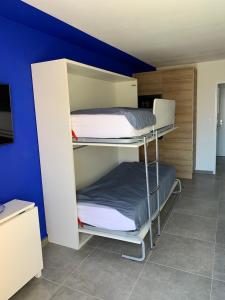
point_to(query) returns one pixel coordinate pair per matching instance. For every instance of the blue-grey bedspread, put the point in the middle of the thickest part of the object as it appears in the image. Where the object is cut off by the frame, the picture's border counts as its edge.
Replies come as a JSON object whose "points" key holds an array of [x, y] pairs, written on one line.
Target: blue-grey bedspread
{"points": [[124, 189], [138, 117]]}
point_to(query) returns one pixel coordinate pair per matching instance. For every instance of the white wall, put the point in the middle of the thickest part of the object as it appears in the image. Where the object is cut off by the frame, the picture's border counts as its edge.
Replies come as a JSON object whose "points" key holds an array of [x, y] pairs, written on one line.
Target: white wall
{"points": [[209, 75]]}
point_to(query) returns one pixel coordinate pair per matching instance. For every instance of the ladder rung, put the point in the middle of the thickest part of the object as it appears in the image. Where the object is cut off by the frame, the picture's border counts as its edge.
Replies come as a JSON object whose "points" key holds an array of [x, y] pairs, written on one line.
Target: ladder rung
{"points": [[153, 162], [156, 216], [155, 190]]}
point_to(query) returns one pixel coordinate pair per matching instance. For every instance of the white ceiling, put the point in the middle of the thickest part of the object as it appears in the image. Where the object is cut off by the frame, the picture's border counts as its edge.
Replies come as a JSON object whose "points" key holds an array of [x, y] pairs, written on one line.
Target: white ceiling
{"points": [[159, 32]]}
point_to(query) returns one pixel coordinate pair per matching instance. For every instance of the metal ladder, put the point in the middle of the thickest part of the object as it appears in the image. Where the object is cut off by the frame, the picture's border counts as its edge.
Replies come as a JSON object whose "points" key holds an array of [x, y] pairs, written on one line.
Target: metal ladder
{"points": [[149, 194], [156, 189]]}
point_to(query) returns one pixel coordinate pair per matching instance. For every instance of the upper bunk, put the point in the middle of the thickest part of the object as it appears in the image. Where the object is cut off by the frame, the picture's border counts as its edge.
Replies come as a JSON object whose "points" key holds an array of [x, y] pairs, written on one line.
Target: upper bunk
{"points": [[121, 127], [81, 86]]}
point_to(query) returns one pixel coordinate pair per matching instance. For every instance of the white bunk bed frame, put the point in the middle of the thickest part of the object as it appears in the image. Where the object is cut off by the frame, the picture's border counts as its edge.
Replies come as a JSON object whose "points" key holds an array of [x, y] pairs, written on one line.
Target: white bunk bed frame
{"points": [[164, 110], [61, 86]]}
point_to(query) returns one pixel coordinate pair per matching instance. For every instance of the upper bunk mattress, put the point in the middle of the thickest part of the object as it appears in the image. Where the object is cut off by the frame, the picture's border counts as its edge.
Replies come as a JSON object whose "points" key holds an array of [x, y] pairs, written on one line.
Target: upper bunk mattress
{"points": [[118, 200], [116, 122]]}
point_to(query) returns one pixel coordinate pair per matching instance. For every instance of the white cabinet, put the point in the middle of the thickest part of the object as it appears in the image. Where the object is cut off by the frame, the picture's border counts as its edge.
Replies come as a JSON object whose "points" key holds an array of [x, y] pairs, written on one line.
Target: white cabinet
{"points": [[60, 87], [20, 247]]}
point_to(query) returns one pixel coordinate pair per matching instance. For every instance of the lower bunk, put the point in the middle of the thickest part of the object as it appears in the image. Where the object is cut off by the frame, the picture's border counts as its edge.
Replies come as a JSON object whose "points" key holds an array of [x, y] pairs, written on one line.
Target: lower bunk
{"points": [[116, 206]]}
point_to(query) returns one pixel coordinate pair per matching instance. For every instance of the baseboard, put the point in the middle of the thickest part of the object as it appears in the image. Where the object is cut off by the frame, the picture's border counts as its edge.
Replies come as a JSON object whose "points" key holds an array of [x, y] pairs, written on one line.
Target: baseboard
{"points": [[204, 172], [44, 242]]}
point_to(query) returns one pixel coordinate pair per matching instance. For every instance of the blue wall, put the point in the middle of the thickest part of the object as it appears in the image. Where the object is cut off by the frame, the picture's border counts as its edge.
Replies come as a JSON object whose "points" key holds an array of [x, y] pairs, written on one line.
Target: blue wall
{"points": [[20, 46]]}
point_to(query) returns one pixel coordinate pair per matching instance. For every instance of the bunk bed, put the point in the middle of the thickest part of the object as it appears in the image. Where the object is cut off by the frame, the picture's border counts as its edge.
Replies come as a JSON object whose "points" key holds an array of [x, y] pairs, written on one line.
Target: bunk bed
{"points": [[158, 181]]}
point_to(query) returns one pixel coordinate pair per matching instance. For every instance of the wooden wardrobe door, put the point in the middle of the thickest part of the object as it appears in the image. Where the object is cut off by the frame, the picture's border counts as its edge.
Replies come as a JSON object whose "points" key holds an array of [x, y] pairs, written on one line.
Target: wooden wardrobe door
{"points": [[178, 147], [149, 83]]}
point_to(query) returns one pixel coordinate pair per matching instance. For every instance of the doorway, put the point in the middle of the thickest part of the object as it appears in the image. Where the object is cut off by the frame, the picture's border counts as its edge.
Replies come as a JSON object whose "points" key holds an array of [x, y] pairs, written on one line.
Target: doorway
{"points": [[220, 132]]}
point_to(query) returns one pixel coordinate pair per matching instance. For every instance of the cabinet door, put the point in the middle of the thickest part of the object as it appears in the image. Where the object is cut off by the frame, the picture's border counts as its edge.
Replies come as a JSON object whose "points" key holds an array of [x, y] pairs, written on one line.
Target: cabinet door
{"points": [[184, 114], [176, 148], [178, 80], [20, 248], [179, 85], [149, 83]]}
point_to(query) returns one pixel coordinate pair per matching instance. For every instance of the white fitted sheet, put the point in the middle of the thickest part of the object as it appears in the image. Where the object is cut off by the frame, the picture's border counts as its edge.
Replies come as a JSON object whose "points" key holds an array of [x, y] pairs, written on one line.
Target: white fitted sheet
{"points": [[105, 126], [104, 217]]}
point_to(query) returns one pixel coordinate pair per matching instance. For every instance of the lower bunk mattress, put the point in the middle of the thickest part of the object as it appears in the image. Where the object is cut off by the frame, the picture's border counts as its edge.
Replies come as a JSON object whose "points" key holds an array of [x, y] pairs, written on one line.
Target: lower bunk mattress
{"points": [[118, 200]]}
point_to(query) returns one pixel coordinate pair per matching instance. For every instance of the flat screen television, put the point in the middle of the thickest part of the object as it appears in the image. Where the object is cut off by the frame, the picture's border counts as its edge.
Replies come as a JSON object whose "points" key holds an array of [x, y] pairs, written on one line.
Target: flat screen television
{"points": [[6, 125]]}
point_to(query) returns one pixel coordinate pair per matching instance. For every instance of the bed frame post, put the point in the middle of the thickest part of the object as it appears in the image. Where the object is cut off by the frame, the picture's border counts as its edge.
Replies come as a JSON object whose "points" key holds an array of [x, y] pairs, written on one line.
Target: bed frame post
{"points": [[179, 187], [142, 258], [157, 180], [148, 192]]}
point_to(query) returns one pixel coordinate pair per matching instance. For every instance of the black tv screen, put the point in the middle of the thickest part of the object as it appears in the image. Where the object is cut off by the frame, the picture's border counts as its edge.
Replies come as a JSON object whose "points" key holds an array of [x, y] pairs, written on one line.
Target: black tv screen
{"points": [[6, 126]]}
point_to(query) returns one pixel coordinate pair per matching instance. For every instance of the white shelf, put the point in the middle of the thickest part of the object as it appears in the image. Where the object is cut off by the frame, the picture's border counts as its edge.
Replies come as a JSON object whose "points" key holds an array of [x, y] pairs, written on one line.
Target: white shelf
{"points": [[96, 73], [124, 145]]}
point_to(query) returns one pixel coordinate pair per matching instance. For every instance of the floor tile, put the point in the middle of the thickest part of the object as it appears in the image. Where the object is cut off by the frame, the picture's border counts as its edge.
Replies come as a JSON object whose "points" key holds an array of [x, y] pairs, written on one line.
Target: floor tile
{"points": [[222, 209], [220, 234], [219, 265], [65, 293], [36, 289], [202, 182], [168, 208], [218, 290], [162, 283], [185, 254], [202, 193], [59, 261], [196, 206], [201, 228], [222, 193], [105, 275], [94, 241]]}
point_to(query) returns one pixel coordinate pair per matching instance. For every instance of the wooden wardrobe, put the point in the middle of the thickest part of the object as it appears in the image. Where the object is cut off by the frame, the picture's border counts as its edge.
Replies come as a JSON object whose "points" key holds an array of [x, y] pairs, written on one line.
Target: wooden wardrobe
{"points": [[178, 147]]}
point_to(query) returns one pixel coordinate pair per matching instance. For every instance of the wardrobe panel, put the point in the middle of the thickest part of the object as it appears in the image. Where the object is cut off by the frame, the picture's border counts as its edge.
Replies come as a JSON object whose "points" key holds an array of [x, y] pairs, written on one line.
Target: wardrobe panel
{"points": [[178, 147], [149, 83]]}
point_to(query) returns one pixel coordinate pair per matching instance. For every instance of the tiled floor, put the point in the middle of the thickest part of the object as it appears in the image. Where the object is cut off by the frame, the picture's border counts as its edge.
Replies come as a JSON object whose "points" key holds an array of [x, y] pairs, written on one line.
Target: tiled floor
{"points": [[187, 263]]}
